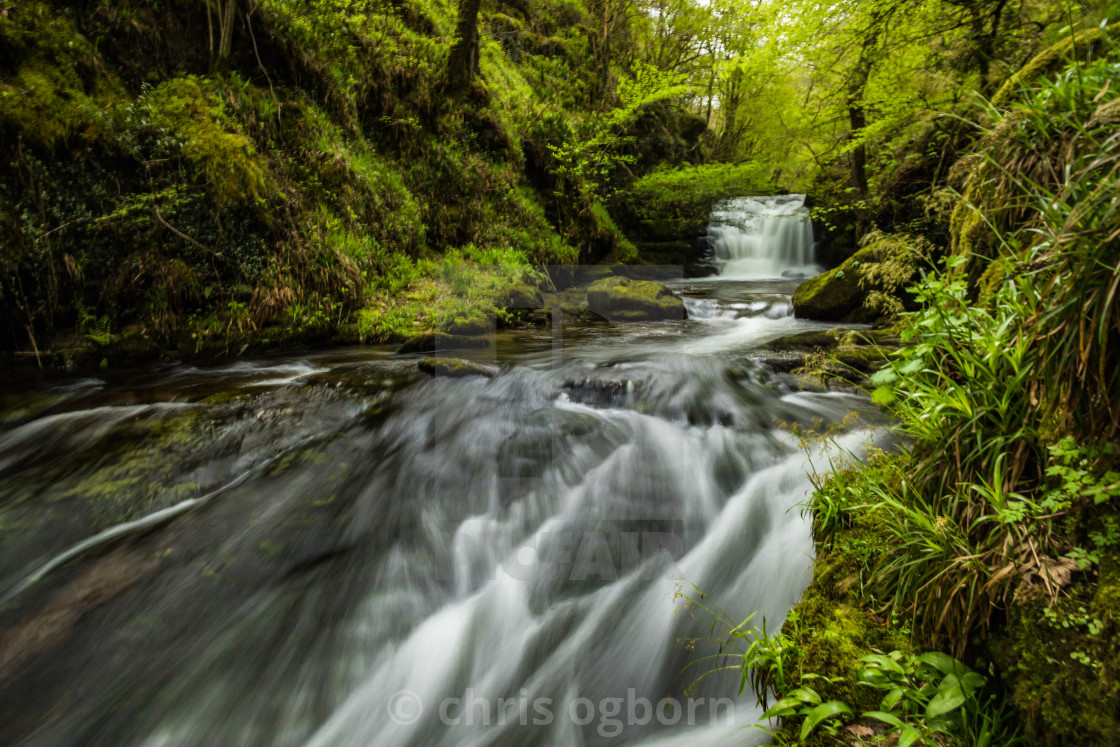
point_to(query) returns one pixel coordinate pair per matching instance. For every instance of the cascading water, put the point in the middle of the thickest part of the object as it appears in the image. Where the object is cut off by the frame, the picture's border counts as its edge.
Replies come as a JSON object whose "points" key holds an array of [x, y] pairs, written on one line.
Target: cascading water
{"points": [[338, 552], [762, 237]]}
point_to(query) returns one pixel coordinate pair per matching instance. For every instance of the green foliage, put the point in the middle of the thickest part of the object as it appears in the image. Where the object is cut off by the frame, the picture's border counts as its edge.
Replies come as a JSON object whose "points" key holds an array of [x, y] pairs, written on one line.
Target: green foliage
{"points": [[917, 699], [284, 190], [960, 353], [923, 696], [806, 705], [970, 522], [671, 203], [934, 694], [591, 156], [994, 532], [187, 117], [413, 298]]}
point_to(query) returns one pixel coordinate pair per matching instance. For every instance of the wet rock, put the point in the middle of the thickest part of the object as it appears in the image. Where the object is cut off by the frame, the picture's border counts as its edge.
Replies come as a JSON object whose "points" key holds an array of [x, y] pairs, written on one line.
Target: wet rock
{"points": [[426, 342], [599, 392], [50, 627], [430, 342], [867, 286], [454, 368], [832, 296], [621, 299], [779, 361], [814, 339]]}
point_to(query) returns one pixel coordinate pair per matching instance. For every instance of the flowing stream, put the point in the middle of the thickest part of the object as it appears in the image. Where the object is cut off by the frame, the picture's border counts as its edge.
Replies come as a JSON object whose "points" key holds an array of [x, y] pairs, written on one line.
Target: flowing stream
{"points": [[335, 549]]}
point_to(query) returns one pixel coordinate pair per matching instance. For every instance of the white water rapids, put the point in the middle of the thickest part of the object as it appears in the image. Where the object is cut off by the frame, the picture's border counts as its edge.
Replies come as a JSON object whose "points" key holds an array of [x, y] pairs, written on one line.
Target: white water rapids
{"points": [[388, 559]]}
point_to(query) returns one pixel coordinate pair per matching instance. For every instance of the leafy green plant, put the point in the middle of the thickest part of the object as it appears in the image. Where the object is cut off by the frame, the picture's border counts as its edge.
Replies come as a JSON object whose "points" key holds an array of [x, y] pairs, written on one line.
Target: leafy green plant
{"points": [[924, 694], [804, 703]]}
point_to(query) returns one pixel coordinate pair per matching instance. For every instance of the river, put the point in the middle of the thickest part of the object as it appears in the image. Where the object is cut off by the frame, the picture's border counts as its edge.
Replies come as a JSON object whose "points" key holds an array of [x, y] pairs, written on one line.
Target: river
{"points": [[333, 548]]}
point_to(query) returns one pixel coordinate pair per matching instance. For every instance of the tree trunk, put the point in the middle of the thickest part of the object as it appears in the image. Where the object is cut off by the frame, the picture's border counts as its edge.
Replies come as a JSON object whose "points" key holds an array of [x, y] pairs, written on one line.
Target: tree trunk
{"points": [[462, 63], [857, 121], [226, 15], [711, 86], [986, 47], [729, 109]]}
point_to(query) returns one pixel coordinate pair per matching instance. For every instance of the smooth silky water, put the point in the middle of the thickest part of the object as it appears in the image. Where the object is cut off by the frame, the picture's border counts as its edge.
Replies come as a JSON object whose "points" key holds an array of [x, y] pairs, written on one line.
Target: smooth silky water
{"points": [[754, 238], [332, 549]]}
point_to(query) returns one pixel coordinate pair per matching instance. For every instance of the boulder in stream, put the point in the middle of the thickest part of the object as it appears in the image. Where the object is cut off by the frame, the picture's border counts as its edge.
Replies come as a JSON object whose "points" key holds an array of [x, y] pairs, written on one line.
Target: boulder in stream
{"points": [[622, 299], [867, 286]]}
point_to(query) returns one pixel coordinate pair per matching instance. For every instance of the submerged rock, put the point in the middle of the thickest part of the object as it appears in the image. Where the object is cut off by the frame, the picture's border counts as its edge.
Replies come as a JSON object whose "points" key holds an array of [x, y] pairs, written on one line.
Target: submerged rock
{"points": [[429, 342], [454, 368]]}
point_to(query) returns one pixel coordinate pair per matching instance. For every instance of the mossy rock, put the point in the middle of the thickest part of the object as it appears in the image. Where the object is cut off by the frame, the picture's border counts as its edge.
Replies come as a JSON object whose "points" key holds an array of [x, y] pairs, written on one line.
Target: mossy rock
{"points": [[425, 342], [833, 630], [454, 368], [539, 318], [861, 358], [814, 339], [867, 286], [599, 292], [622, 299], [832, 296], [470, 325], [523, 296], [1061, 661]]}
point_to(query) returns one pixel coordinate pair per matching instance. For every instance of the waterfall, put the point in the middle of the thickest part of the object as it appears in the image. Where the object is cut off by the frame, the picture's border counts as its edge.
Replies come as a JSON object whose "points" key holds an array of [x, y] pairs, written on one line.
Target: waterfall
{"points": [[762, 237]]}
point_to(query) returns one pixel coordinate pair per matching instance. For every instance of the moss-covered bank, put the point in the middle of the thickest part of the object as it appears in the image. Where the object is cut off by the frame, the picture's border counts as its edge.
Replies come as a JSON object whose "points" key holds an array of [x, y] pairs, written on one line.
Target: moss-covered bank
{"points": [[317, 184]]}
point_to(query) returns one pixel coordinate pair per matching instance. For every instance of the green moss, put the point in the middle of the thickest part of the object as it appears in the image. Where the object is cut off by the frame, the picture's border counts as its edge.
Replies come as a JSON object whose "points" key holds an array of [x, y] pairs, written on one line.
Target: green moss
{"points": [[454, 368], [836, 622], [622, 299], [1080, 44], [868, 285], [1062, 661], [137, 477], [523, 296], [191, 112], [599, 292], [292, 459], [470, 325], [972, 236], [831, 296], [832, 628]]}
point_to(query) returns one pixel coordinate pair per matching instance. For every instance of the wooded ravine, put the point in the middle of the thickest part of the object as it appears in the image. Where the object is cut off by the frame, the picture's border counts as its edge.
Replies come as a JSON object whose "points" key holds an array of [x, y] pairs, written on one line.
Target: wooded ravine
{"points": [[783, 337]]}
